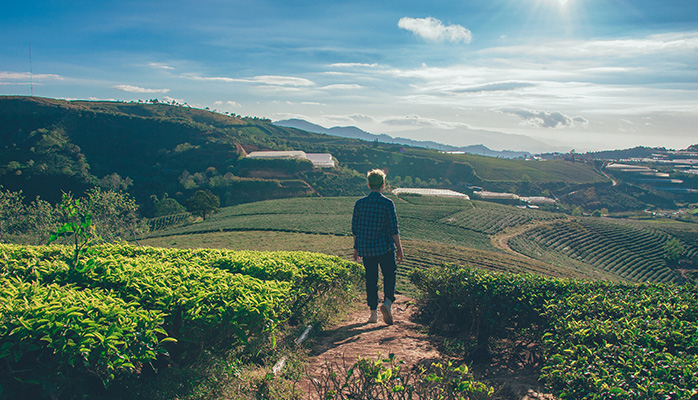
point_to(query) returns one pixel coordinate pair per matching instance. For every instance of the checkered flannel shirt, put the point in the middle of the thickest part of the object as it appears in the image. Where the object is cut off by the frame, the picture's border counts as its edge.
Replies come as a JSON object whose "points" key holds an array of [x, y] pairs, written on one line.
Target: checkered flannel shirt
{"points": [[373, 224]]}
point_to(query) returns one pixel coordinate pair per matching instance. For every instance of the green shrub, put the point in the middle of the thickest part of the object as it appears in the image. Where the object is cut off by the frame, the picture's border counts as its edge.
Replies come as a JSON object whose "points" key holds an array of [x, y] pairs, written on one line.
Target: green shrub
{"points": [[599, 340]]}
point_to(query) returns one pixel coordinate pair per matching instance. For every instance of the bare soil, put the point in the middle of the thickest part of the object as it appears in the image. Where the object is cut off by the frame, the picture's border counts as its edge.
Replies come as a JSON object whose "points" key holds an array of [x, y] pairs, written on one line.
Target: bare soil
{"points": [[354, 337]]}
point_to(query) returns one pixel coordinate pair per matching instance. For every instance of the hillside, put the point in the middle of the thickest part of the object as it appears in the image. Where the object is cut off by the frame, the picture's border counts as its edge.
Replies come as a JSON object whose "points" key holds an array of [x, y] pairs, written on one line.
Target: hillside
{"points": [[153, 149], [437, 231]]}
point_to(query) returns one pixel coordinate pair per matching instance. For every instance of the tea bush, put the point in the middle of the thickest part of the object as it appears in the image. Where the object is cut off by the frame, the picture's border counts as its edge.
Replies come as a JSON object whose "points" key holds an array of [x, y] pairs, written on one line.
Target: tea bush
{"points": [[137, 304], [599, 340]]}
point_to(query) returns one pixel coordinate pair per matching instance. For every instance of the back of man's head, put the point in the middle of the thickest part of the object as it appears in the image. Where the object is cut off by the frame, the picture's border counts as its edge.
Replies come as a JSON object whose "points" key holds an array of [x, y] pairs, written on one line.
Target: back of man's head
{"points": [[376, 179]]}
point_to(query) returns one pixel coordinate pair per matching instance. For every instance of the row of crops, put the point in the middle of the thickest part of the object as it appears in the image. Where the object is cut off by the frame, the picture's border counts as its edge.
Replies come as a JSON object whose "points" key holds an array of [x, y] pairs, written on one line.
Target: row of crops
{"points": [[426, 218], [632, 251], [597, 340], [491, 218], [61, 330]]}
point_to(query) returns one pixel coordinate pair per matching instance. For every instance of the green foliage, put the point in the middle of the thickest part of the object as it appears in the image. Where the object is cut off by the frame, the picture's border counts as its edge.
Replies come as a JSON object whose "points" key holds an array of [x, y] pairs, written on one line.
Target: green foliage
{"points": [[599, 340], [114, 217], [61, 337], [386, 379], [79, 231], [203, 202], [168, 206], [674, 250], [181, 292], [25, 223]]}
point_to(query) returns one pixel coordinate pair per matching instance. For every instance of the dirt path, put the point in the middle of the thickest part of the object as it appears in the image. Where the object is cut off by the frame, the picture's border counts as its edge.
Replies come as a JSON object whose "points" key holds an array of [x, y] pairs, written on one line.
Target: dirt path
{"points": [[354, 337], [501, 240]]}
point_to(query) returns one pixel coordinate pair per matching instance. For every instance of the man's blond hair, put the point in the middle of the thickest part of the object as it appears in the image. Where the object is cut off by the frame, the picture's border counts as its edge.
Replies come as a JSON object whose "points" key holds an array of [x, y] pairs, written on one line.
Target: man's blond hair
{"points": [[376, 179]]}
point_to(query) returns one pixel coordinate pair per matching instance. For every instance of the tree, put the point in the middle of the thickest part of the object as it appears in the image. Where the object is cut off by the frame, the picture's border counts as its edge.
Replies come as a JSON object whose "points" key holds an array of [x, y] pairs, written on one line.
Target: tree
{"points": [[168, 206], [203, 202], [674, 250]]}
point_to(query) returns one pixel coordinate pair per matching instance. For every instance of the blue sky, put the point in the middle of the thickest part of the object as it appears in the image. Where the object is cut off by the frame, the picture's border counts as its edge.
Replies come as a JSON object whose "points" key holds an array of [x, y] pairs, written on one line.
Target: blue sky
{"points": [[533, 75]]}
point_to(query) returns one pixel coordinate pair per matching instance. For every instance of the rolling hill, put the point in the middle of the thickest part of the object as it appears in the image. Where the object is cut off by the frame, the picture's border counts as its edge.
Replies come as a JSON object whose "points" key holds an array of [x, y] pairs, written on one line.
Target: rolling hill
{"points": [[153, 149], [438, 231]]}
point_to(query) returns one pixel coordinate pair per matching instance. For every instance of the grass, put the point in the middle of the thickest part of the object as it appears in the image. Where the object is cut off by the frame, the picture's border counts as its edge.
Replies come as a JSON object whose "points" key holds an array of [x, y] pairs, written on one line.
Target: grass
{"points": [[438, 230]]}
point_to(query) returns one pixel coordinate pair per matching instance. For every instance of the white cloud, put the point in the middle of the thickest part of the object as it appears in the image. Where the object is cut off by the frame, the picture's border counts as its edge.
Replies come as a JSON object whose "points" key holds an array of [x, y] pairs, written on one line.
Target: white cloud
{"points": [[229, 103], [353, 65], [544, 119], [275, 80], [20, 76], [666, 43], [271, 80], [137, 89], [160, 66], [341, 86], [169, 99], [362, 118], [493, 87], [432, 29], [419, 121]]}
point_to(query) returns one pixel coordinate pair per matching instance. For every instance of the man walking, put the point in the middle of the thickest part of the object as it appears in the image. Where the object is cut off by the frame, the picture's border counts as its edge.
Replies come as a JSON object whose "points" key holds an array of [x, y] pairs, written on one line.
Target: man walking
{"points": [[377, 242]]}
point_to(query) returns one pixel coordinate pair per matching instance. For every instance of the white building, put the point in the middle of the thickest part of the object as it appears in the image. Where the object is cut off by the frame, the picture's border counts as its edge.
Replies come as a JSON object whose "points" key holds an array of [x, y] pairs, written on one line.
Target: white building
{"points": [[319, 160], [431, 192]]}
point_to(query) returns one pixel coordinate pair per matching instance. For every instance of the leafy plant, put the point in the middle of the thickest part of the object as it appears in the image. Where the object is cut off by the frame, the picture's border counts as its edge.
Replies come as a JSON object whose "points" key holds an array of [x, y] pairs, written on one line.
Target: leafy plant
{"points": [[79, 231], [597, 340], [385, 378]]}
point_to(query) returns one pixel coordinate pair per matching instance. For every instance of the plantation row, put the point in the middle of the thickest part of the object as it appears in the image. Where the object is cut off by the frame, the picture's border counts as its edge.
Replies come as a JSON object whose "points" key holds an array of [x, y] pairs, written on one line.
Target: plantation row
{"points": [[332, 216], [60, 327], [597, 340], [493, 218], [632, 252], [167, 221]]}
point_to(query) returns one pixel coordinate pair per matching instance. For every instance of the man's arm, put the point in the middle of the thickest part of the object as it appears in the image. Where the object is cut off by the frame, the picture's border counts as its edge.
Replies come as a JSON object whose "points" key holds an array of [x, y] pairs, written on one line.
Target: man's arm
{"points": [[354, 229], [398, 248]]}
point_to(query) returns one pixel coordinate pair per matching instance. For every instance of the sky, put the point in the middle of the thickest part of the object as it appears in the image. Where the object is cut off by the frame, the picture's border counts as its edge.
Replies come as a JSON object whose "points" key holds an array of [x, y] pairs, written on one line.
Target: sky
{"points": [[535, 75]]}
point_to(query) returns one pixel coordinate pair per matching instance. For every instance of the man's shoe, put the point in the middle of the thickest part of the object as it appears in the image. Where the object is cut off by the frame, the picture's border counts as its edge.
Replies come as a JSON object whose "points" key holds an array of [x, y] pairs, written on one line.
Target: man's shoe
{"points": [[374, 317], [387, 314]]}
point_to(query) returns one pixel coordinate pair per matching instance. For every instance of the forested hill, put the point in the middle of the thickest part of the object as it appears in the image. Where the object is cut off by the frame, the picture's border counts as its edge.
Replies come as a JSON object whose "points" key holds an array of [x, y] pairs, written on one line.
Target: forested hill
{"points": [[50, 145]]}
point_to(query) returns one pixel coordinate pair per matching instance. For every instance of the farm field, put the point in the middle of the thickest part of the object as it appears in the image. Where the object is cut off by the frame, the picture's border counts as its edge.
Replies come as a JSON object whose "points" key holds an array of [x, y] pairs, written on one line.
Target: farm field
{"points": [[635, 251], [454, 231], [418, 254], [440, 231]]}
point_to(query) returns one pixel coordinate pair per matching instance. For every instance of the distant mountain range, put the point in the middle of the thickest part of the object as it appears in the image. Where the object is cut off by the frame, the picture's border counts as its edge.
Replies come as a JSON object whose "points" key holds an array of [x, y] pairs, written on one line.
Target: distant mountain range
{"points": [[356, 133]]}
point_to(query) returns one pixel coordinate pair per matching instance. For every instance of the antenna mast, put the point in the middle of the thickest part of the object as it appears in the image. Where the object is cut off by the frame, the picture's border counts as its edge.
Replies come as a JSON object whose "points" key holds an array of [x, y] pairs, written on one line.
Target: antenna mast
{"points": [[31, 81]]}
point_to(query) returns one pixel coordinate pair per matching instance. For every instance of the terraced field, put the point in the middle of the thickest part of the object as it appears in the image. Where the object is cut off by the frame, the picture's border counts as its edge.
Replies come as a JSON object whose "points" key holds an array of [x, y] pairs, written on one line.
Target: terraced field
{"points": [[631, 250], [438, 231], [491, 218]]}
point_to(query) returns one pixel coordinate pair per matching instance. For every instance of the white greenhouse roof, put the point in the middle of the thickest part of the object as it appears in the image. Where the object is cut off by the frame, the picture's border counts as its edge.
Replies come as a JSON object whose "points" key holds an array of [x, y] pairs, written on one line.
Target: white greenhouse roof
{"points": [[277, 154], [321, 160], [431, 192]]}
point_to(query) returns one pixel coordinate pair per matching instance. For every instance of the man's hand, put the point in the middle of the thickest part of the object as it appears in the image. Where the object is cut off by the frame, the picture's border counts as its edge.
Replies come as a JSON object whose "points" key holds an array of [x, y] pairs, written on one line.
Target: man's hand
{"points": [[356, 255], [398, 255]]}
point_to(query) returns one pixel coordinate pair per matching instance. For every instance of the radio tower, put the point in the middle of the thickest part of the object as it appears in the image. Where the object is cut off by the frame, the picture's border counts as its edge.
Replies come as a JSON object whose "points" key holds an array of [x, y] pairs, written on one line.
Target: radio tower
{"points": [[31, 81]]}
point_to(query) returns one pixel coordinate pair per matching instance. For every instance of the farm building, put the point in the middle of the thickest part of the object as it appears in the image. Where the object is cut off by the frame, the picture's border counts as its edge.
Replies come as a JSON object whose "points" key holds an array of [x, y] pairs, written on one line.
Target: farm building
{"points": [[486, 195], [537, 200], [430, 192], [319, 160]]}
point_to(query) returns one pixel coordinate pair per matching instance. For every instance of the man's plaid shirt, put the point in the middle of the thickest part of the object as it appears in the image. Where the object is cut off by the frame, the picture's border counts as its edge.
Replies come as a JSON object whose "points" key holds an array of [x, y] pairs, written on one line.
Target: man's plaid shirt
{"points": [[373, 223]]}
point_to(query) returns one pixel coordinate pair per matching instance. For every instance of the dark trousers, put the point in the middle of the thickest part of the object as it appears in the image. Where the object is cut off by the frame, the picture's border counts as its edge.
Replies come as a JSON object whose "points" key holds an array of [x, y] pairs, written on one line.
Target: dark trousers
{"points": [[388, 267]]}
